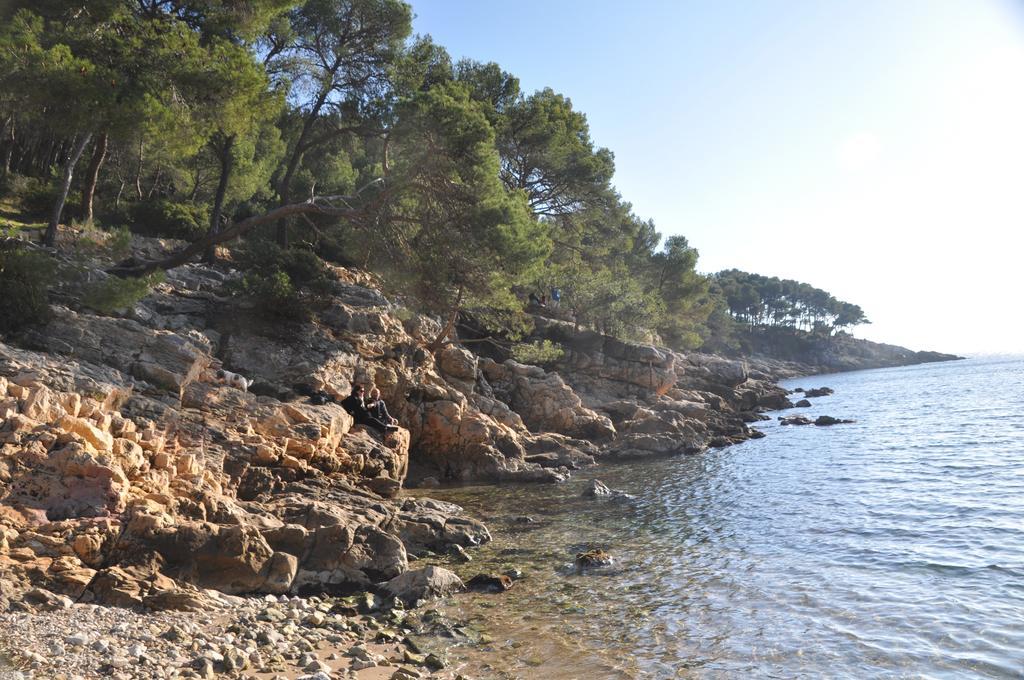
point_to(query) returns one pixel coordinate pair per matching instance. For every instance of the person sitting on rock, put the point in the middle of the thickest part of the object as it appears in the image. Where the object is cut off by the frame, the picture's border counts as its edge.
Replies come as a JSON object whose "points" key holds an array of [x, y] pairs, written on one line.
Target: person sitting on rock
{"points": [[356, 407], [378, 409]]}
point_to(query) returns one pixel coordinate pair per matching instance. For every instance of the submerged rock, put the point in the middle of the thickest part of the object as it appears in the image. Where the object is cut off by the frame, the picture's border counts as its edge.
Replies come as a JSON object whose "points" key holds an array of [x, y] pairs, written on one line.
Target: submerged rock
{"points": [[489, 583], [596, 488], [593, 558]]}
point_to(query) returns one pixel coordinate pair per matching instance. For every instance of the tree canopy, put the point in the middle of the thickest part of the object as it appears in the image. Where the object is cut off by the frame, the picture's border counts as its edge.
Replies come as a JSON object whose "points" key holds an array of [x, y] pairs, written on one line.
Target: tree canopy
{"points": [[757, 300], [326, 127]]}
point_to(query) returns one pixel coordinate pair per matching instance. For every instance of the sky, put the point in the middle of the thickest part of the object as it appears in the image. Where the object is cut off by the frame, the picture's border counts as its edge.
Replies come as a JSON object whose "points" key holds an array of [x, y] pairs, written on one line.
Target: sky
{"points": [[872, 148]]}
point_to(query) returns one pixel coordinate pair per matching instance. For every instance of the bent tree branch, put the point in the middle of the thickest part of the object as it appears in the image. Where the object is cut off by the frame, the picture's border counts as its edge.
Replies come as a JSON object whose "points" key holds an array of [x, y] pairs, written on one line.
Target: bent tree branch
{"points": [[314, 206]]}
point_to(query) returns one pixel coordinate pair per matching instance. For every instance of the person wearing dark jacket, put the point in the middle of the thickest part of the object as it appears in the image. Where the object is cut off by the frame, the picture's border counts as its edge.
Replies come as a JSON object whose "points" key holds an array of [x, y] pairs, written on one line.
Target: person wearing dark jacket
{"points": [[356, 407]]}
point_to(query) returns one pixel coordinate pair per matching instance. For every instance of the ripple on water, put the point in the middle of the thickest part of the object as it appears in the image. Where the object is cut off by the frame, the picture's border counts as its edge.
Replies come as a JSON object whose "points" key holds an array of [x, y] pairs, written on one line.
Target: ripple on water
{"points": [[892, 547]]}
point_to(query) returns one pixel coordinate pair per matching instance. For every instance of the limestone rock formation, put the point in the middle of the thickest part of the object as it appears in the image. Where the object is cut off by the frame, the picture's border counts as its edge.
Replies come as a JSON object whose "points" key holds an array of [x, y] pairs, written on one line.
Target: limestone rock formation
{"points": [[130, 476]]}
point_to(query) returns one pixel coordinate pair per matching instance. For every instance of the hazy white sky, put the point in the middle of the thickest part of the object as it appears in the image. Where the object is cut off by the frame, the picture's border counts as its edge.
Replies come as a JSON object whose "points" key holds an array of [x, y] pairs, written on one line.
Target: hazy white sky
{"points": [[873, 148]]}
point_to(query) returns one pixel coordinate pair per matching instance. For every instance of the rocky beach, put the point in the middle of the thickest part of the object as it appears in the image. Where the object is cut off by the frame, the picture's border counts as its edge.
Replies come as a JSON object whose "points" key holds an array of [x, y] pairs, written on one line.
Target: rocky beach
{"points": [[156, 522]]}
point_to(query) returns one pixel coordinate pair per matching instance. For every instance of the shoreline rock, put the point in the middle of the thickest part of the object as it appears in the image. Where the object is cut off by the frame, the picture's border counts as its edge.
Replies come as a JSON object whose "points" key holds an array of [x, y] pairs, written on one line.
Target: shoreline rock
{"points": [[130, 476]]}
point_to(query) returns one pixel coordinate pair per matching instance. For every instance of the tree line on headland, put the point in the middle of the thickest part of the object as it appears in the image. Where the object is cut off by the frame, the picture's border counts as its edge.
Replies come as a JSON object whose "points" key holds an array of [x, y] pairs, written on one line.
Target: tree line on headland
{"points": [[324, 130]]}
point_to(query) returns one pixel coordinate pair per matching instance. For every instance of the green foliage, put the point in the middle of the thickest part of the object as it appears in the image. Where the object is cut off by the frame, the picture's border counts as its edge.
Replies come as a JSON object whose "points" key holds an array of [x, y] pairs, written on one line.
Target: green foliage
{"points": [[451, 180], [761, 301], [303, 268], [457, 237], [33, 196], [342, 62], [167, 218], [119, 241], [25, 278], [273, 295], [547, 152], [540, 353], [673, 278], [113, 294], [281, 283]]}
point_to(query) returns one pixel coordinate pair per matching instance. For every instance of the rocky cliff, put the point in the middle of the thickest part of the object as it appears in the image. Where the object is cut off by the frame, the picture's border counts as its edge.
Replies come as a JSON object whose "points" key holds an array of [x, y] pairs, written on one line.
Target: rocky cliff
{"points": [[130, 475]]}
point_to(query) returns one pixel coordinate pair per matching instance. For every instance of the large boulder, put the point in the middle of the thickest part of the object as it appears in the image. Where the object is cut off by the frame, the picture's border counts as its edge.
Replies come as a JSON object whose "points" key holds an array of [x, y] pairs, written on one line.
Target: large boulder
{"points": [[428, 524], [422, 585], [545, 402], [459, 365], [234, 560], [162, 358]]}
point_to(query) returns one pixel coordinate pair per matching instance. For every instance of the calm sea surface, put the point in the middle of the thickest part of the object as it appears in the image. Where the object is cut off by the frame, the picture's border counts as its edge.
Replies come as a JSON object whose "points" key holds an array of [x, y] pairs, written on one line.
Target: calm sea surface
{"points": [[892, 547]]}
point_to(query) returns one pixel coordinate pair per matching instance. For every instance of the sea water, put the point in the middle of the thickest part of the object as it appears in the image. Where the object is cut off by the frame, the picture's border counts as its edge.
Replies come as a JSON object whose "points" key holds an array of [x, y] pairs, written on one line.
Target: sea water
{"points": [[890, 547]]}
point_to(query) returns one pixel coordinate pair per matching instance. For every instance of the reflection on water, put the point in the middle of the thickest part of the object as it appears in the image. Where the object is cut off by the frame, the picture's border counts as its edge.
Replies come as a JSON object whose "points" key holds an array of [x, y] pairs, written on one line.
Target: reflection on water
{"points": [[890, 547]]}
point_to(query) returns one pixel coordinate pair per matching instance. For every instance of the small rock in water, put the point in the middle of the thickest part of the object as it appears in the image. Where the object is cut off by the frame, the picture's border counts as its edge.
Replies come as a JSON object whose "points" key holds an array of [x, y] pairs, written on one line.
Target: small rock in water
{"points": [[596, 488], [803, 403], [489, 583], [818, 392], [795, 420], [829, 420], [593, 558]]}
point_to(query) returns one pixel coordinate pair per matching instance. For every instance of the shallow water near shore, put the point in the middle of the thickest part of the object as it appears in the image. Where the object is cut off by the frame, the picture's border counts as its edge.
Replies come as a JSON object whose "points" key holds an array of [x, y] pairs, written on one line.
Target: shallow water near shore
{"points": [[891, 547]]}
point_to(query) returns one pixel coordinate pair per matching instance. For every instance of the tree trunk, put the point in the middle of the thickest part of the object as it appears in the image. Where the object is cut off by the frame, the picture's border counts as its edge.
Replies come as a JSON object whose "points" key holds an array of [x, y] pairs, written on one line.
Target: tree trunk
{"points": [[50, 237], [138, 171], [448, 327], [5, 167], [197, 178], [226, 162], [92, 175], [284, 189]]}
